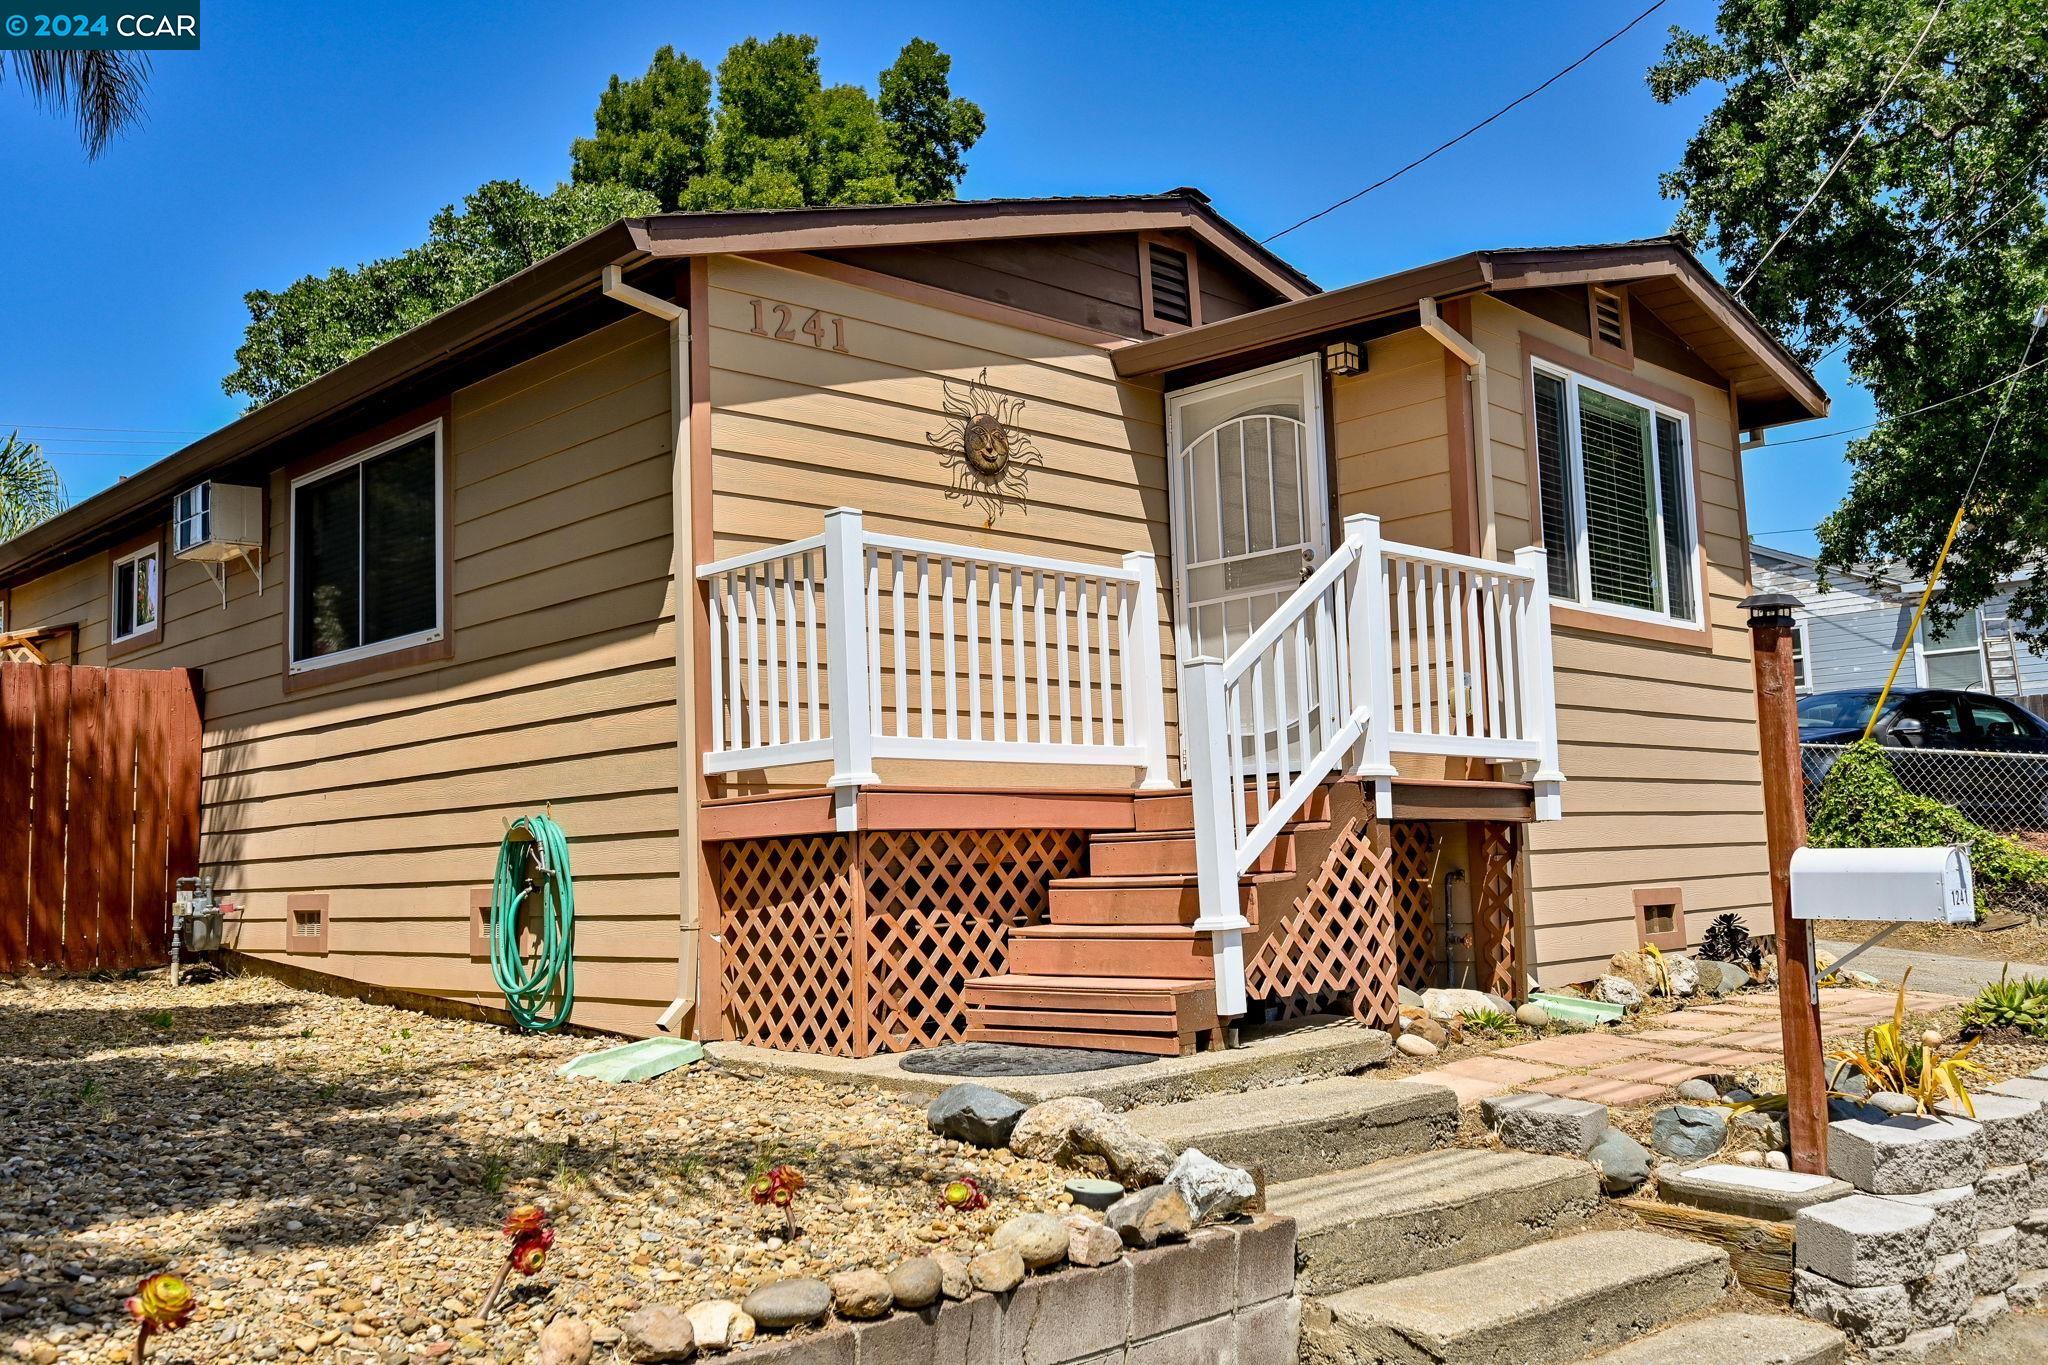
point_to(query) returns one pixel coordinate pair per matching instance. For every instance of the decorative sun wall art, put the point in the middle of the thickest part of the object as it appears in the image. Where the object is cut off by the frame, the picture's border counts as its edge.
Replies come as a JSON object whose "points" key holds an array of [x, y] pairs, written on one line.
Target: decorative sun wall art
{"points": [[984, 449]]}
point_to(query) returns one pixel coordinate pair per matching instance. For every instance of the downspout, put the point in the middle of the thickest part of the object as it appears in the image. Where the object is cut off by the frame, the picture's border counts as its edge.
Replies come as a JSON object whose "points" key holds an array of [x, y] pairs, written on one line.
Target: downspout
{"points": [[1474, 361], [683, 532]]}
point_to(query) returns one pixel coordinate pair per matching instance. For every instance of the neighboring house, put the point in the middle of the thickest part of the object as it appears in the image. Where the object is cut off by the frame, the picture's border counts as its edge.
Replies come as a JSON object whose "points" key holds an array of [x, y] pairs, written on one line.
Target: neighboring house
{"points": [[1850, 632], [1187, 648]]}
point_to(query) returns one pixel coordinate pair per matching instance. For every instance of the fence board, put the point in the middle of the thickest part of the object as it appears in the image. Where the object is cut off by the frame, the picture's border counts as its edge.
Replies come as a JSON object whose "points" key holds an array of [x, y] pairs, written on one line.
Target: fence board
{"points": [[105, 765]]}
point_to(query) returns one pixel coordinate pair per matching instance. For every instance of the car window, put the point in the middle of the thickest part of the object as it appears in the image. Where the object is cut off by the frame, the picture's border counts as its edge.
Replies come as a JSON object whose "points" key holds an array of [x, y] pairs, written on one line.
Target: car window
{"points": [[1941, 718], [1994, 721]]}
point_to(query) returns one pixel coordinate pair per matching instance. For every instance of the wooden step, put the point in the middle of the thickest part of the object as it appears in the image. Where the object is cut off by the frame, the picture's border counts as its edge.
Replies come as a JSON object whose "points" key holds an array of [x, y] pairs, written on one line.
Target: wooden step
{"points": [[1134, 900], [1164, 812], [1148, 951], [1147, 853], [1164, 1018]]}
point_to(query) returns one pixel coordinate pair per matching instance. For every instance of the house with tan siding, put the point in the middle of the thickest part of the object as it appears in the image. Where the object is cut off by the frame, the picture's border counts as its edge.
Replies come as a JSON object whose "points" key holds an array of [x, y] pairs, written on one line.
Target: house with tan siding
{"points": [[1035, 620]]}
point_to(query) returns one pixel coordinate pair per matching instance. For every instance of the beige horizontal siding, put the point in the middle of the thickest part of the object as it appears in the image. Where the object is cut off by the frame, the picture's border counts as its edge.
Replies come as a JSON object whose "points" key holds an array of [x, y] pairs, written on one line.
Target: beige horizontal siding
{"points": [[1392, 455]]}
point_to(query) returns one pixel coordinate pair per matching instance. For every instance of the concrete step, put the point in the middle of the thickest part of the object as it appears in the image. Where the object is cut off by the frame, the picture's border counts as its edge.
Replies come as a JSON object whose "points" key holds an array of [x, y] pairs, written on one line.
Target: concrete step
{"points": [[1145, 853], [1738, 1339], [1430, 1211], [1297, 1131], [1557, 1300], [1121, 1014]]}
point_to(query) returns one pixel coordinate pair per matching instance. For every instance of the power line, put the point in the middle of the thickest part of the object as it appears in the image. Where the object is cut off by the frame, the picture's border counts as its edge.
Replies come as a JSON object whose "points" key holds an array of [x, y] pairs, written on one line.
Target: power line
{"points": [[139, 431], [102, 441], [1861, 129], [1898, 417], [1446, 146]]}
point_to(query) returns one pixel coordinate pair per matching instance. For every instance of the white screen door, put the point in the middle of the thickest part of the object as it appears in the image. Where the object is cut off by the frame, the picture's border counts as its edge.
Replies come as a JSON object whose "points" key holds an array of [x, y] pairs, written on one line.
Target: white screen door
{"points": [[1250, 506]]}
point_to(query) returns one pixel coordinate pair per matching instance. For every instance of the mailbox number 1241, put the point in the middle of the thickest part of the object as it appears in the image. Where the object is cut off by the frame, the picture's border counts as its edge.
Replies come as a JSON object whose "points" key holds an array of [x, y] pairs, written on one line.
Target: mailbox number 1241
{"points": [[817, 326]]}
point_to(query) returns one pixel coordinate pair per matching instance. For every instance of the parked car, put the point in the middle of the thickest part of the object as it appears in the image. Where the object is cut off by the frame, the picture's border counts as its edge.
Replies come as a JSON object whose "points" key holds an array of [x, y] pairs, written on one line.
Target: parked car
{"points": [[1994, 790]]}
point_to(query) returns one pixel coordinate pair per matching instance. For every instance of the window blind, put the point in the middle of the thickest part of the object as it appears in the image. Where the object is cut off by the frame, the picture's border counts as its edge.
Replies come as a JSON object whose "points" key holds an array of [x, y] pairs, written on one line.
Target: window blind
{"points": [[1671, 486], [1553, 469], [1621, 502]]}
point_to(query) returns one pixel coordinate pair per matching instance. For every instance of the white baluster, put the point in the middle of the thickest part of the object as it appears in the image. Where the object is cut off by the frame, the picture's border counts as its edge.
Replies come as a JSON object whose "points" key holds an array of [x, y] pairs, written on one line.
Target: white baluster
{"points": [[1208, 739], [1143, 691], [1539, 683], [1372, 659]]}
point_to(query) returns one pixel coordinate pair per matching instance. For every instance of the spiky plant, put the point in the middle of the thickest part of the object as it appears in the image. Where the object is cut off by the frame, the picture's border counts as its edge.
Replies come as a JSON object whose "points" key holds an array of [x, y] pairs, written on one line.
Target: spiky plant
{"points": [[30, 491], [1891, 1060], [1492, 1022], [1727, 940], [101, 88], [2009, 1004]]}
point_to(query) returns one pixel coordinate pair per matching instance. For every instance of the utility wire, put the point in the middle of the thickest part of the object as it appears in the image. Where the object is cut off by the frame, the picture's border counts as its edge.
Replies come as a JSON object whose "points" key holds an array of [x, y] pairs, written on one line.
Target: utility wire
{"points": [[140, 431], [1901, 416], [1496, 114], [1861, 128]]}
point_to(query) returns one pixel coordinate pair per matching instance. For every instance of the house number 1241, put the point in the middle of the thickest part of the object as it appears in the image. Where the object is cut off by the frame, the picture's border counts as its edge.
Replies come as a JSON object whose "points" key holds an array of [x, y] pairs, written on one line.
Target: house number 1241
{"points": [[817, 326]]}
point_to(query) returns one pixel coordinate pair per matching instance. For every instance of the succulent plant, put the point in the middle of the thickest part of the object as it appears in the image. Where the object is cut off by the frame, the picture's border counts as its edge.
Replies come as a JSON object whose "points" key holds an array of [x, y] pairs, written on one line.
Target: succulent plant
{"points": [[161, 1303], [964, 1195], [776, 1187], [527, 1226]]}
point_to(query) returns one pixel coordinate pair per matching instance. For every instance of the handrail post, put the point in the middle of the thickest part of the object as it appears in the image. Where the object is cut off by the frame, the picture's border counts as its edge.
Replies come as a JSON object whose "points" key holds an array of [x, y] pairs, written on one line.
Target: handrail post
{"points": [[1539, 682], [1206, 736], [1372, 660], [1144, 690], [846, 663]]}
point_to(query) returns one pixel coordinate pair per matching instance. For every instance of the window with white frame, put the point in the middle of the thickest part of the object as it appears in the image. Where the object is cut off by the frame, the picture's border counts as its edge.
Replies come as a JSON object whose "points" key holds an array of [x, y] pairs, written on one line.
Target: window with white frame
{"points": [[1616, 472], [138, 592], [1799, 678], [366, 553], [1953, 657]]}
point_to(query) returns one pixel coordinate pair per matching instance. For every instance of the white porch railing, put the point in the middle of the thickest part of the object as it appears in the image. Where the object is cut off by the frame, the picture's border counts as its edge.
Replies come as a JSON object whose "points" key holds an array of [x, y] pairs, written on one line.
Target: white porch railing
{"points": [[1467, 643], [940, 651]]}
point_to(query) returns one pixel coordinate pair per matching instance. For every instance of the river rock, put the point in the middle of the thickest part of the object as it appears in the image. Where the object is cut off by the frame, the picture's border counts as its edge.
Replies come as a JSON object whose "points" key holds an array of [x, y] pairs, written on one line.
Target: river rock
{"points": [[861, 1294], [917, 1283], [1623, 1162], [1532, 1015], [659, 1332], [1417, 1023], [998, 1271], [1211, 1189], [974, 1114], [1688, 1132], [1415, 1045], [1039, 1238], [782, 1304], [1699, 1090], [719, 1325], [954, 1281], [565, 1341]]}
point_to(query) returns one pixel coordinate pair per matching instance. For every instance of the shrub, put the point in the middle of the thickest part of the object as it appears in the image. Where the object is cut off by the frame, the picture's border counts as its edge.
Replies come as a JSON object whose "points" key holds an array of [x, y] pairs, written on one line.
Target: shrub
{"points": [[2009, 1004], [1862, 805], [1728, 940]]}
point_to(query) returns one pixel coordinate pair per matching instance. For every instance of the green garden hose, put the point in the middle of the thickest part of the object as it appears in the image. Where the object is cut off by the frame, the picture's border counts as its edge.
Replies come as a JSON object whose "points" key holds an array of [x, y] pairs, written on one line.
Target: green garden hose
{"points": [[539, 995]]}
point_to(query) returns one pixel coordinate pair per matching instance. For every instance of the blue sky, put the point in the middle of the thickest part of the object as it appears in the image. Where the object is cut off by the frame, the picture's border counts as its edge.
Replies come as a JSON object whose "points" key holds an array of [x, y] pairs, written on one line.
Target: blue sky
{"points": [[305, 137]]}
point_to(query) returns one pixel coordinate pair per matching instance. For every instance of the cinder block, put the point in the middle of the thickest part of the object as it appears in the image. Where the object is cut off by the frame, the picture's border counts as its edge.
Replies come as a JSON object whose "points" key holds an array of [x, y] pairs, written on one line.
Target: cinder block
{"points": [[1209, 1342], [1874, 1315], [1955, 1216], [2029, 1087], [1943, 1294], [1751, 1191], [1265, 1259], [2033, 1249], [1070, 1315], [1175, 1286], [834, 1346], [1864, 1241], [1983, 1313], [2030, 1290], [2005, 1194], [1905, 1155], [1934, 1343], [968, 1332], [2015, 1128], [1570, 1127], [1994, 1260], [1269, 1331]]}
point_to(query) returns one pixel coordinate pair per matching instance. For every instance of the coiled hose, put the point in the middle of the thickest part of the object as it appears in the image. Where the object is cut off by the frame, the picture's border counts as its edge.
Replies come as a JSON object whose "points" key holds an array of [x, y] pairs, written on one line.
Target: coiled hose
{"points": [[541, 994]]}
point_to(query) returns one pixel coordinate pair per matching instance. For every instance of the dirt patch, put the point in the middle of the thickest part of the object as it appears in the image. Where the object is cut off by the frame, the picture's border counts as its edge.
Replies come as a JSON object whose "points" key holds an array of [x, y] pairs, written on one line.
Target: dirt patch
{"points": [[2022, 939]]}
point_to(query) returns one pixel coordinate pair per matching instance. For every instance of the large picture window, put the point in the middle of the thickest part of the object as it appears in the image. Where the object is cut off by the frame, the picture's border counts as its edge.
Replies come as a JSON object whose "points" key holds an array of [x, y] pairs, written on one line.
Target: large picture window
{"points": [[366, 554], [138, 593], [1616, 473]]}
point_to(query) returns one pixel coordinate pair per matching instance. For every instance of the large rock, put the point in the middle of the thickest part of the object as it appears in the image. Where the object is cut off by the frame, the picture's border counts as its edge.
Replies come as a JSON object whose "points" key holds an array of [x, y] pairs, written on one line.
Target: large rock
{"points": [[1624, 1163], [860, 1294], [659, 1332], [1153, 1215], [974, 1114], [954, 1281], [1688, 1132], [1090, 1242], [1633, 968], [1681, 977], [998, 1271], [1613, 990], [1415, 1045], [1039, 1238], [1532, 1015], [1764, 1131], [782, 1304], [565, 1341], [1863, 1240], [1720, 978], [1444, 1003], [917, 1283], [1906, 1155], [719, 1325], [1062, 1129], [1211, 1189]]}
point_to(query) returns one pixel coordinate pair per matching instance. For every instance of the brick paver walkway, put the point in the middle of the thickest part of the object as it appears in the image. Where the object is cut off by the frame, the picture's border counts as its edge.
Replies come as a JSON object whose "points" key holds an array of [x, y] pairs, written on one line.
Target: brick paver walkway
{"points": [[1642, 1068]]}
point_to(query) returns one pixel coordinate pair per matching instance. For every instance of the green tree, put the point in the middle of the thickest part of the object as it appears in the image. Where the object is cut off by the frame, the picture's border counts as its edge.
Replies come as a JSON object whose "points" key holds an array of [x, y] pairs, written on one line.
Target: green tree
{"points": [[1921, 259], [651, 131], [929, 127], [102, 89], [30, 491], [320, 321]]}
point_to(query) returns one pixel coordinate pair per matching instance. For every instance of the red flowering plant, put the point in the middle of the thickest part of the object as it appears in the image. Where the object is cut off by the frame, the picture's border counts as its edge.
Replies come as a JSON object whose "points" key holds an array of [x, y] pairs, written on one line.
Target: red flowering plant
{"points": [[964, 1195], [527, 1226], [776, 1187], [161, 1303]]}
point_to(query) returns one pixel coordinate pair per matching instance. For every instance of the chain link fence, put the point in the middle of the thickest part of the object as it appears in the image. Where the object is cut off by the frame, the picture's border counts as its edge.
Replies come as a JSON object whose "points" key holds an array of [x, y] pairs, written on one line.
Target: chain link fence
{"points": [[2006, 792]]}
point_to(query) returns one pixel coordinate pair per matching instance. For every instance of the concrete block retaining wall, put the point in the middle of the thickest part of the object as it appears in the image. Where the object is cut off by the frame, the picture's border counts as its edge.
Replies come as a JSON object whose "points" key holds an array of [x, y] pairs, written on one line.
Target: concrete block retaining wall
{"points": [[1227, 1293]]}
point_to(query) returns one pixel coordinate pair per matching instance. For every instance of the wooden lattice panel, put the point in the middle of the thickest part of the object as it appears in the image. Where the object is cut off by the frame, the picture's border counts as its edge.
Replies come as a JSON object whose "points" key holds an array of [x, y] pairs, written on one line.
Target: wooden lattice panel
{"points": [[1493, 848], [788, 910], [1411, 850], [1337, 935], [940, 905]]}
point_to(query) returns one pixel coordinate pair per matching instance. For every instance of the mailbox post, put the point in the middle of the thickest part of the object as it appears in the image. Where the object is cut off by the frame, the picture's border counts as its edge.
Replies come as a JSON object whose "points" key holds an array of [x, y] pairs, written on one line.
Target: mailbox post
{"points": [[1777, 714]]}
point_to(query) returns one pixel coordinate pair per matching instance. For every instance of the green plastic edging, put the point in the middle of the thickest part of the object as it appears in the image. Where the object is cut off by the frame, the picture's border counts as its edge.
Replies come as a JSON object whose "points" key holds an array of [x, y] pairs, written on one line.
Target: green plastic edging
{"points": [[641, 1061], [1571, 1007]]}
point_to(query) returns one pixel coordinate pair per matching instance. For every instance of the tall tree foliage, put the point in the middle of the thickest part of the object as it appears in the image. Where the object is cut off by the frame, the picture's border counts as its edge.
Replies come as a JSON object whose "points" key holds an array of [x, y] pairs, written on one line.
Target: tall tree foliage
{"points": [[30, 491], [777, 137], [1921, 260]]}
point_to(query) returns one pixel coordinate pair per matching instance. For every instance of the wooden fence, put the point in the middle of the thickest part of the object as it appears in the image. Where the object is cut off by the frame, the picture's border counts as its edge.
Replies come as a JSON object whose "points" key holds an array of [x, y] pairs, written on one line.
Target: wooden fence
{"points": [[99, 768]]}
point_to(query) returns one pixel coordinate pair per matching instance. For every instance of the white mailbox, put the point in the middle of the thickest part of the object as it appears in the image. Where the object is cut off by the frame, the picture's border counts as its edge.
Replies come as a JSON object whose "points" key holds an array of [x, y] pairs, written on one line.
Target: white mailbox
{"points": [[1885, 884]]}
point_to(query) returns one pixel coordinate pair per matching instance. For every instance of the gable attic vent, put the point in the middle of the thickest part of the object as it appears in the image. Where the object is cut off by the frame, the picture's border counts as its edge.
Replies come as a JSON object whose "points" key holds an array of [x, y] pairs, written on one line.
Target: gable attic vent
{"points": [[1610, 321], [1171, 291]]}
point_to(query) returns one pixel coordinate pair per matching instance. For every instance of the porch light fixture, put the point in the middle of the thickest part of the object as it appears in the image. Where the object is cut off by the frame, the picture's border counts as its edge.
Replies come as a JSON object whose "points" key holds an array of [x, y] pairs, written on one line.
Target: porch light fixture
{"points": [[1344, 357]]}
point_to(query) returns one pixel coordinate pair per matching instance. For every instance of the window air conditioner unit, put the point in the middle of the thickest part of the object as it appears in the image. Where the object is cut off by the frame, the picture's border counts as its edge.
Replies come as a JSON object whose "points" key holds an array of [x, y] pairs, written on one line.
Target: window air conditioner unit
{"points": [[215, 523]]}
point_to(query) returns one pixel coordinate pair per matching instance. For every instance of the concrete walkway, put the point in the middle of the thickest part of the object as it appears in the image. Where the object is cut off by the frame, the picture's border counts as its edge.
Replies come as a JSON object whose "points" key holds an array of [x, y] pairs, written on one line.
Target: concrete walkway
{"points": [[1943, 972]]}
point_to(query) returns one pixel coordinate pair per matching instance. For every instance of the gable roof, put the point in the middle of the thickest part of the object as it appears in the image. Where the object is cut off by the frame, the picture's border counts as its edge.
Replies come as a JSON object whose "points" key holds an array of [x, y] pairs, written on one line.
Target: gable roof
{"points": [[1768, 380], [471, 328]]}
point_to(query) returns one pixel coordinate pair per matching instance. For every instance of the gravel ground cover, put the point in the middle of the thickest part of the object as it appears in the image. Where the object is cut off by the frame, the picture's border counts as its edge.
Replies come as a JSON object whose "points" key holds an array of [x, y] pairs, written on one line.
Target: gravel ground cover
{"points": [[331, 1176]]}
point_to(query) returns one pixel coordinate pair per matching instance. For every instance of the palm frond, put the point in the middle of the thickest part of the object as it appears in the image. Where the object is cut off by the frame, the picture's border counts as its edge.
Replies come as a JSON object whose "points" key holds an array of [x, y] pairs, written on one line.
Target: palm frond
{"points": [[30, 489], [103, 89]]}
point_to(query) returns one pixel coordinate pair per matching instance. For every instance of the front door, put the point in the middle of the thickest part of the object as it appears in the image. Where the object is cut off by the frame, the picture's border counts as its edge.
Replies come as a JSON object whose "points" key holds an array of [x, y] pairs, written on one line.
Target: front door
{"points": [[1250, 504]]}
